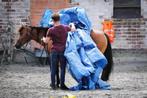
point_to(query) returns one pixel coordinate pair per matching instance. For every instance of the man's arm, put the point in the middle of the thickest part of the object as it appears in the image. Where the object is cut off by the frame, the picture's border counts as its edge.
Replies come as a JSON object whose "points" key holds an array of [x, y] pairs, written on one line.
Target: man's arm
{"points": [[47, 38]]}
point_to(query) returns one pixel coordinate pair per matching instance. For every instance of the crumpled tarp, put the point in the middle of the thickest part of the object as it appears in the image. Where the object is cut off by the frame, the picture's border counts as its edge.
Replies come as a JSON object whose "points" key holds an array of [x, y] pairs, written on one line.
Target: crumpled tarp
{"points": [[46, 18], [77, 16], [74, 15], [85, 61]]}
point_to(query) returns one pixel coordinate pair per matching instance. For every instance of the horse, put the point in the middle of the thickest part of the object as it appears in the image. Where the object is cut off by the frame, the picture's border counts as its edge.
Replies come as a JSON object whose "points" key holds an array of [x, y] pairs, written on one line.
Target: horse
{"points": [[28, 33]]}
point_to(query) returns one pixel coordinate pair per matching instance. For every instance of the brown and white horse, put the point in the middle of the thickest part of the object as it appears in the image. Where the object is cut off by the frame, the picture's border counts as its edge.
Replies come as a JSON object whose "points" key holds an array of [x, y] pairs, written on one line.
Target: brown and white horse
{"points": [[28, 33]]}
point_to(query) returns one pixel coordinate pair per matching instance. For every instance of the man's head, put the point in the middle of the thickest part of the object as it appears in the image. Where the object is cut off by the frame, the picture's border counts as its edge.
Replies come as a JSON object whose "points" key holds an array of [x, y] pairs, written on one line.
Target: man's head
{"points": [[56, 17]]}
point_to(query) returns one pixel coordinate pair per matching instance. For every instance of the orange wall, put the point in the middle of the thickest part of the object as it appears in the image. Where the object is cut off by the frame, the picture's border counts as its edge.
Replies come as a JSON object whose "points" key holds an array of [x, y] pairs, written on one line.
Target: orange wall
{"points": [[37, 8]]}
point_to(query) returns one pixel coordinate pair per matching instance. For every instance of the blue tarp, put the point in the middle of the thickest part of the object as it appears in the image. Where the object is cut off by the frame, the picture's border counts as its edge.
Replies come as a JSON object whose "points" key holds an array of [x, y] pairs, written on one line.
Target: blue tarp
{"points": [[78, 17], [85, 61], [46, 18], [74, 15]]}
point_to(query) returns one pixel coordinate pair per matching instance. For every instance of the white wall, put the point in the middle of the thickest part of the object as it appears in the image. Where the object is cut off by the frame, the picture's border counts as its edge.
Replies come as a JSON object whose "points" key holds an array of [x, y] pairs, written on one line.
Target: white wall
{"points": [[97, 8], [144, 8], [144, 14]]}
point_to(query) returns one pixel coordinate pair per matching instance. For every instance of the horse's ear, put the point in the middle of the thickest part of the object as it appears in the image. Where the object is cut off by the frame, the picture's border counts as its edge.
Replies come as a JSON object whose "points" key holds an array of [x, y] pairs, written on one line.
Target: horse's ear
{"points": [[20, 29]]}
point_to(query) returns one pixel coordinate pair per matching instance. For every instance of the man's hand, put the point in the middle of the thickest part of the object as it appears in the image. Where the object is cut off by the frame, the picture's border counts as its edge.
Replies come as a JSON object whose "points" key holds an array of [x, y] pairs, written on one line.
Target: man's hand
{"points": [[45, 39]]}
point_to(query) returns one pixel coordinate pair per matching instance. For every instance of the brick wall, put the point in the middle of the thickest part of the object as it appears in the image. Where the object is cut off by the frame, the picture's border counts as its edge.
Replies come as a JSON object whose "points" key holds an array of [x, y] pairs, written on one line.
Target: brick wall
{"points": [[96, 10], [130, 33], [39, 6], [15, 11]]}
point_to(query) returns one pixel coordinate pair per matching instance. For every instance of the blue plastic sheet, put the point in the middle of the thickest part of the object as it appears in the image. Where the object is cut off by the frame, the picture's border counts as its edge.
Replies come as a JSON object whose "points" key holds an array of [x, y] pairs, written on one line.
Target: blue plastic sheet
{"points": [[46, 18], [77, 16], [74, 15], [85, 61], [64, 19]]}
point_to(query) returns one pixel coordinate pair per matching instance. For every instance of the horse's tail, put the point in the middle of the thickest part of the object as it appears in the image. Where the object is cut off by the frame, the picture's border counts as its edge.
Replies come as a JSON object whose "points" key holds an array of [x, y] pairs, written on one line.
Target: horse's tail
{"points": [[108, 54]]}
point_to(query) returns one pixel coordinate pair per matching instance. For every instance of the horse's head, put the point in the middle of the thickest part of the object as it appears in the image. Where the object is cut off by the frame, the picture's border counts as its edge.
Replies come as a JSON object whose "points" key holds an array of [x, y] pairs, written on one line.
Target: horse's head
{"points": [[24, 36]]}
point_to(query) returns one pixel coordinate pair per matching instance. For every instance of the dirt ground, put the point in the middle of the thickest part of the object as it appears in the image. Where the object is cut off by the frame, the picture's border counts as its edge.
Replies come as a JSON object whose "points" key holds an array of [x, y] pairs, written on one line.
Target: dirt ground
{"points": [[128, 80]]}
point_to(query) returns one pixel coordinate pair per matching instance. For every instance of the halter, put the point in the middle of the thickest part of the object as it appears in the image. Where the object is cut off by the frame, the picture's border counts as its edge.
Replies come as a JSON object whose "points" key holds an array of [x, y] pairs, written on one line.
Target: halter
{"points": [[38, 38], [30, 35]]}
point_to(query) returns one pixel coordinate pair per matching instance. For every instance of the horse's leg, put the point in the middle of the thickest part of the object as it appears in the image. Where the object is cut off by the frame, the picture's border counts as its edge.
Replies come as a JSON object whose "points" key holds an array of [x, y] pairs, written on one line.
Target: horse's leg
{"points": [[108, 54]]}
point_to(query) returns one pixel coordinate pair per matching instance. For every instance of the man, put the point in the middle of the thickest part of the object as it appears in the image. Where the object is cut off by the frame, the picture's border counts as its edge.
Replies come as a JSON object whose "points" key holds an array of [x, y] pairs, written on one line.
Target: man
{"points": [[58, 35]]}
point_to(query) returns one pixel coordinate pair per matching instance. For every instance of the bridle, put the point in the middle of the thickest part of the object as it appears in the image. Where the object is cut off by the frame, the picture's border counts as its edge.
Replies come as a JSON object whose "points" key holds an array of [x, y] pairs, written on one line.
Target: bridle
{"points": [[30, 36]]}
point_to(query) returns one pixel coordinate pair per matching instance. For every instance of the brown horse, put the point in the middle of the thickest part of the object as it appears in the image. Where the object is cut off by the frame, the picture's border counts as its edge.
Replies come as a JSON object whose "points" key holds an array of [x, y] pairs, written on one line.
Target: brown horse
{"points": [[28, 33]]}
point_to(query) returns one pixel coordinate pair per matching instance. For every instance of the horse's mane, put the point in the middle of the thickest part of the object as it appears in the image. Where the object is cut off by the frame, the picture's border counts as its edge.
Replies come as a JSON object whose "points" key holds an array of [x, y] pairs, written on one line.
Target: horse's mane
{"points": [[40, 28], [33, 27]]}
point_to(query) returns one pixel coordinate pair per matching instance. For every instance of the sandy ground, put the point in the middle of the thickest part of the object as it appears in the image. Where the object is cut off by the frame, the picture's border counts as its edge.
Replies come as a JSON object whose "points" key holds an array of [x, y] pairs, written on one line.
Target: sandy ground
{"points": [[128, 80]]}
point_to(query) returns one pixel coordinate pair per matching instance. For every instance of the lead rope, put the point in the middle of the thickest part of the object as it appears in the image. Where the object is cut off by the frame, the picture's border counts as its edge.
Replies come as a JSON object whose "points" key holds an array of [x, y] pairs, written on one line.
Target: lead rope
{"points": [[45, 49]]}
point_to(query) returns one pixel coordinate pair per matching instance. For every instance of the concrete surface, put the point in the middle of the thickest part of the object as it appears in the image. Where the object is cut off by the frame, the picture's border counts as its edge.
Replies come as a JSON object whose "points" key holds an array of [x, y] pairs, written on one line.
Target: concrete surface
{"points": [[128, 79]]}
